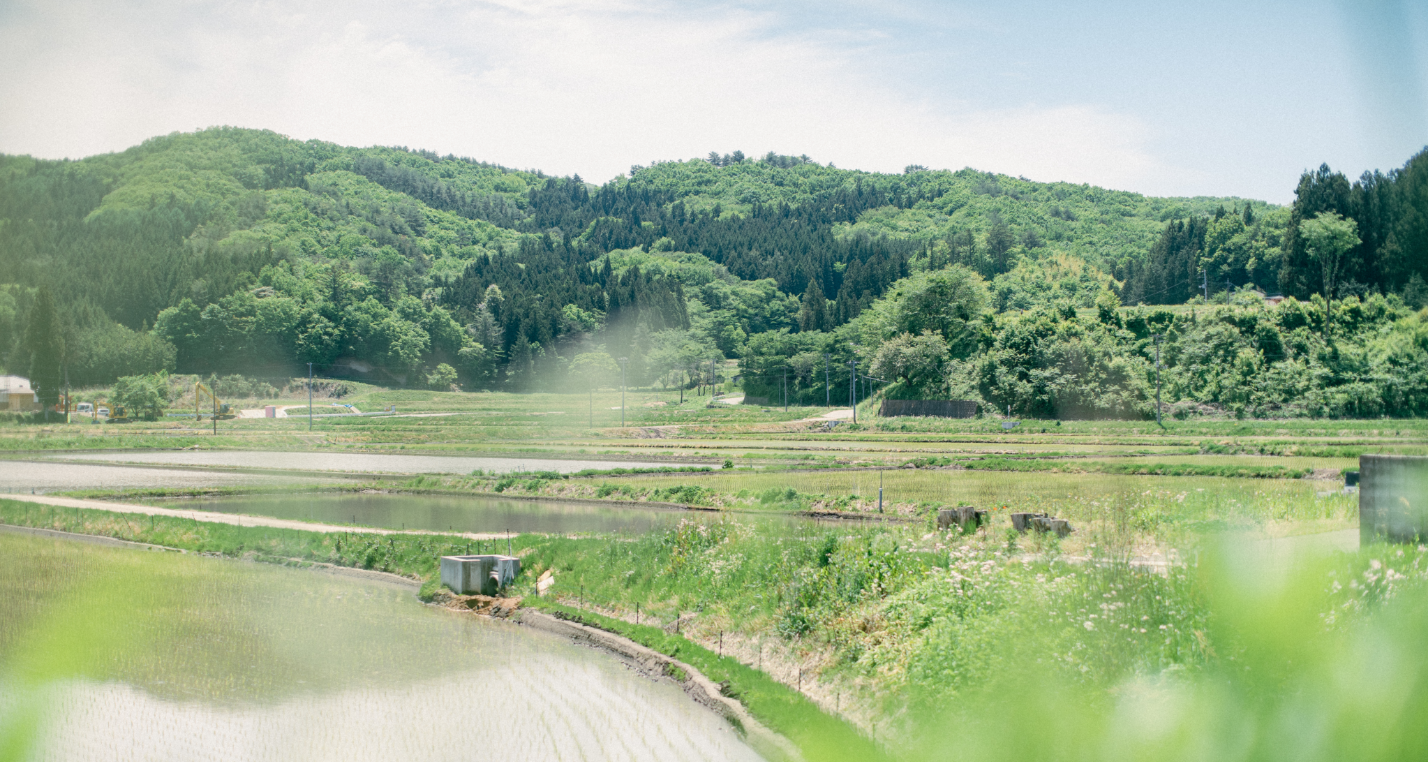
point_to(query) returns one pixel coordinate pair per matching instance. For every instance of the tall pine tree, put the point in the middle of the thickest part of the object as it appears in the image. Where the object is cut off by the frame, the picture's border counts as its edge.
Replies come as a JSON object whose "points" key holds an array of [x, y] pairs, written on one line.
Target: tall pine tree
{"points": [[813, 316], [45, 346]]}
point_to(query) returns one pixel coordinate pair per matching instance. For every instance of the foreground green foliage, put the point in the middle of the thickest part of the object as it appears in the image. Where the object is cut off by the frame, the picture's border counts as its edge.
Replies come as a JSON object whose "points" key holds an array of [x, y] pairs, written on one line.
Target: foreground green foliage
{"points": [[1305, 662], [973, 635]]}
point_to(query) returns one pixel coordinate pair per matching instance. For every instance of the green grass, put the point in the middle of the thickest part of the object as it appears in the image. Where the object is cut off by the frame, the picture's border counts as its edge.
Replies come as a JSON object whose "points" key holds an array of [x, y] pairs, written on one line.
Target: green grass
{"points": [[1164, 508], [1158, 467]]}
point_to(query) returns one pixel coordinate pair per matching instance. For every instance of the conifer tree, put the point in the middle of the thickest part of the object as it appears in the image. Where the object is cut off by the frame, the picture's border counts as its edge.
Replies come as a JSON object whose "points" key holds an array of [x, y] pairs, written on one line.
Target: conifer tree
{"points": [[45, 346], [813, 316]]}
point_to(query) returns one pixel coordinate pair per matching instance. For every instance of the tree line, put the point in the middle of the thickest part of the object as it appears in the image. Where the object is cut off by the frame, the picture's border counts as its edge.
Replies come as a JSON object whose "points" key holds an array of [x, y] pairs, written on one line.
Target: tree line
{"points": [[231, 250], [1229, 250]]}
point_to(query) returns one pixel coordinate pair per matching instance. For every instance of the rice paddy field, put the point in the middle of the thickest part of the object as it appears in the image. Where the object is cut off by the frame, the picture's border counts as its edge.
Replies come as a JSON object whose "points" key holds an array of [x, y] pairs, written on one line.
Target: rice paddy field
{"points": [[1213, 588], [206, 659], [1078, 496]]}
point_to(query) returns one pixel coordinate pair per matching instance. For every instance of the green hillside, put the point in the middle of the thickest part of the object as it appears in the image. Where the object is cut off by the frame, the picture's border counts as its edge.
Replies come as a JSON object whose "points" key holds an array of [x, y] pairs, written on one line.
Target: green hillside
{"points": [[231, 250]]}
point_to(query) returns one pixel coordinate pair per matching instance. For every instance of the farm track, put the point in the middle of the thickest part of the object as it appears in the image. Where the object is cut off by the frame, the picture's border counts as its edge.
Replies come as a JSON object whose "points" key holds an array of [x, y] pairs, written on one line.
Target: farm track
{"points": [[235, 519]]}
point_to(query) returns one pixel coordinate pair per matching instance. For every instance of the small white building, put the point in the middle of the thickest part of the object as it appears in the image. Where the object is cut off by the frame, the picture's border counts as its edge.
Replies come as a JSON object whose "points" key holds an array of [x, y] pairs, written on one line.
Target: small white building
{"points": [[16, 395]]}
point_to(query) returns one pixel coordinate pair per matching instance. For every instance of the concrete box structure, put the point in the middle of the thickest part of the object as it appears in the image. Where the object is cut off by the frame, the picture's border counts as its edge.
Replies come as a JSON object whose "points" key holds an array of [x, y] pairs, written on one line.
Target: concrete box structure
{"points": [[479, 575], [1393, 498]]}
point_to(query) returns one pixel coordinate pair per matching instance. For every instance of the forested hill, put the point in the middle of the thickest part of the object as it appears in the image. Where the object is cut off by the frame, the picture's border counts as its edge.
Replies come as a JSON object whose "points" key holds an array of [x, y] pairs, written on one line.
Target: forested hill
{"points": [[232, 249]]}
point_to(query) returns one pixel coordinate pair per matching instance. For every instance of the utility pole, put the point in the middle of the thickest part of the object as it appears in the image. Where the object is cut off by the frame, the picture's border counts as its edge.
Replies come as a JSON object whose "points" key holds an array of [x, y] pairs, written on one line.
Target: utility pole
{"points": [[623, 361], [827, 390], [853, 387], [880, 490], [214, 397], [309, 396], [713, 377], [1157, 381], [1205, 283]]}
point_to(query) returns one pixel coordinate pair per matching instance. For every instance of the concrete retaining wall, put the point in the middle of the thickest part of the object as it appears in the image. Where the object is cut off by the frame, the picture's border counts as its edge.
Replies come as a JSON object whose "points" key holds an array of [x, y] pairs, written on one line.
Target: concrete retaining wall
{"points": [[935, 408]]}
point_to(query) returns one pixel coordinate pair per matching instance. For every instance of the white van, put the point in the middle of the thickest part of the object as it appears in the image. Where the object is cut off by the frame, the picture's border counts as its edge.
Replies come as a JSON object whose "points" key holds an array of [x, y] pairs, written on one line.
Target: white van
{"points": [[86, 408]]}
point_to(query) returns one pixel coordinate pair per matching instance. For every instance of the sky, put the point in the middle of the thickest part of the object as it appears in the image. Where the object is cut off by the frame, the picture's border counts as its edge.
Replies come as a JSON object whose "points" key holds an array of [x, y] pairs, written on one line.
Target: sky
{"points": [[1206, 98]]}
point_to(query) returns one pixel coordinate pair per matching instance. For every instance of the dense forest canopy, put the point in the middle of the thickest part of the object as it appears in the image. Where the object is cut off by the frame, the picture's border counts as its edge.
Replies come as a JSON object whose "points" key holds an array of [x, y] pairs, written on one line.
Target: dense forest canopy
{"points": [[232, 250]]}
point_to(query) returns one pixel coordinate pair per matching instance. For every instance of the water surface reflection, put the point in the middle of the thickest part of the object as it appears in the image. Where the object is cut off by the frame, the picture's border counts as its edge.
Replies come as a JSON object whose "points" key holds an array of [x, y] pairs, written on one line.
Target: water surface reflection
{"points": [[467, 514], [208, 659]]}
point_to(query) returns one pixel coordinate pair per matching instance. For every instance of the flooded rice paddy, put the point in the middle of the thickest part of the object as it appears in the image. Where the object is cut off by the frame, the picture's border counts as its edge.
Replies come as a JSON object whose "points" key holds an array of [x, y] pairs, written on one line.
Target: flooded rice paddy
{"points": [[464, 514], [348, 462], [42, 477], [206, 659]]}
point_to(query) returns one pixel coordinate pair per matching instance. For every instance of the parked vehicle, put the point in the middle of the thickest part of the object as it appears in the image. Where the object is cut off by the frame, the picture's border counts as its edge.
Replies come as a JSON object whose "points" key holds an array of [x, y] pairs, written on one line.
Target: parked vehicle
{"points": [[85, 408], [104, 412]]}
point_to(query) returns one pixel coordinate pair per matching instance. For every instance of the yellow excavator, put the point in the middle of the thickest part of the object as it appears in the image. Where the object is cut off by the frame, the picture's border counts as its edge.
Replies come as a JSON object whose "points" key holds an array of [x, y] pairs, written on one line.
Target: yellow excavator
{"points": [[222, 411]]}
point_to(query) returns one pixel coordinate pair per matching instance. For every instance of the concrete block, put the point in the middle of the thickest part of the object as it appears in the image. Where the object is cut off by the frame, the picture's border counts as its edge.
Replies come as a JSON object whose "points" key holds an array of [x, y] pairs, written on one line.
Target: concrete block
{"points": [[1393, 498], [479, 575], [964, 518], [1040, 522]]}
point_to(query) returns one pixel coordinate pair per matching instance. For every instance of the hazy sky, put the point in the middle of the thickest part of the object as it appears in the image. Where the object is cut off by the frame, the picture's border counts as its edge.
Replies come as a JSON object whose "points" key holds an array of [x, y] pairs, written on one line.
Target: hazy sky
{"points": [[1205, 98]]}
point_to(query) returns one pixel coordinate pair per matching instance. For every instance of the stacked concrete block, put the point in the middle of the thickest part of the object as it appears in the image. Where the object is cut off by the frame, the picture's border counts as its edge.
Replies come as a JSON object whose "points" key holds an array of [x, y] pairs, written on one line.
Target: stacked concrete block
{"points": [[1040, 522], [1393, 498]]}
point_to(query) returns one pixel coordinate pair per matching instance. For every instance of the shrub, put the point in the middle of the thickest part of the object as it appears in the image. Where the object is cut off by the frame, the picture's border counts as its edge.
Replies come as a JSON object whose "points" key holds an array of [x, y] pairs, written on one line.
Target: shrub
{"points": [[442, 379], [142, 396], [240, 386]]}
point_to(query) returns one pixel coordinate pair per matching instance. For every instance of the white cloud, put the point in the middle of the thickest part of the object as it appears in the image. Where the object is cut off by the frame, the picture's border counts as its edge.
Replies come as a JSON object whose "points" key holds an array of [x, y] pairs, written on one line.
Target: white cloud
{"points": [[562, 86]]}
